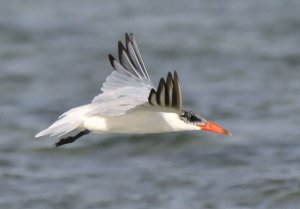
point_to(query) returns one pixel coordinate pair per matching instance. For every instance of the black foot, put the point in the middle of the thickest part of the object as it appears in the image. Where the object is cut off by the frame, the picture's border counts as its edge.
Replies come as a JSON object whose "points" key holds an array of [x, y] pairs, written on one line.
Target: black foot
{"points": [[71, 139]]}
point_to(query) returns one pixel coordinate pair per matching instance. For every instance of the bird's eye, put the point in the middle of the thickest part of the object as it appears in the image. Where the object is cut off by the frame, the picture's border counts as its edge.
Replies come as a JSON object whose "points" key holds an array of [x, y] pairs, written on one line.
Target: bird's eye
{"points": [[192, 118]]}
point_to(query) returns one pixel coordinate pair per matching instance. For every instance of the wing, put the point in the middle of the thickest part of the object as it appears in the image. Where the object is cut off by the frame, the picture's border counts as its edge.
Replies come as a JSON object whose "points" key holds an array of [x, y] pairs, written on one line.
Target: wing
{"points": [[131, 59], [129, 84], [167, 97]]}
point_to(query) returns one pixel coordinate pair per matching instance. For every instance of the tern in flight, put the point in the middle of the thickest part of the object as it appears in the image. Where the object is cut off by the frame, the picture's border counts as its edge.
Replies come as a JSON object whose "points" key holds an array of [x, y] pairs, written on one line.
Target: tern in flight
{"points": [[130, 103]]}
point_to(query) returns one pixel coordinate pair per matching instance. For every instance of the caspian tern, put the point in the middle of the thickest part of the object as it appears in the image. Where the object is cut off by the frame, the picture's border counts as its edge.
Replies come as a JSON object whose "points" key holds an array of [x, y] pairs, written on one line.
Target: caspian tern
{"points": [[130, 103]]}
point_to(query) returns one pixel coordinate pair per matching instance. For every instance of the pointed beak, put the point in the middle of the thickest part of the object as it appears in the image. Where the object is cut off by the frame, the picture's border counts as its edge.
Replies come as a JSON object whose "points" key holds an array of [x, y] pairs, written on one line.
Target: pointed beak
{"points": [[212, 127]]}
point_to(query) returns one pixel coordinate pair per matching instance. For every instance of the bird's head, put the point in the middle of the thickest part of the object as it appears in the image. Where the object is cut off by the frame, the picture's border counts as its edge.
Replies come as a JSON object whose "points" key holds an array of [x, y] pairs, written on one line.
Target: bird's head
{"points": [[204, 125]]}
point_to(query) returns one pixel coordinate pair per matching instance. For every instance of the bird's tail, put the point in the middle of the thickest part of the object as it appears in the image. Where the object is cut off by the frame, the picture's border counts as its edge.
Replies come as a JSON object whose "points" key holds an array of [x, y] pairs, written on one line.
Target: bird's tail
{"points": [[67, 122]]}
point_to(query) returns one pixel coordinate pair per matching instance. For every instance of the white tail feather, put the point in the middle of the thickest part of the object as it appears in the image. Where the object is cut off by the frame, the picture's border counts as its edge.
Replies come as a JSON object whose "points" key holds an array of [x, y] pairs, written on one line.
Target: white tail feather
{"points": [[66, 123]]}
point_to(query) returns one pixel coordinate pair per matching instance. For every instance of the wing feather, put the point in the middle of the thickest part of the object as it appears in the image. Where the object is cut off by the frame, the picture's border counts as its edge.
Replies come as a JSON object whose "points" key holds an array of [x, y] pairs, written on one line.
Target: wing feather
{"points": [[177, 97], [129, 86], [126, 62], [135, 55], [169, 87], [168, 96], [130, 59]]}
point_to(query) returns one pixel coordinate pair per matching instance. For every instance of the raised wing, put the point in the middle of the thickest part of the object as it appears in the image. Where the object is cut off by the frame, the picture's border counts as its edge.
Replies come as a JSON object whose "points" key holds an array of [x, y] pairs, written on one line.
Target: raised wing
{"points": [[128, 86], [130, 60], [168, 96]]}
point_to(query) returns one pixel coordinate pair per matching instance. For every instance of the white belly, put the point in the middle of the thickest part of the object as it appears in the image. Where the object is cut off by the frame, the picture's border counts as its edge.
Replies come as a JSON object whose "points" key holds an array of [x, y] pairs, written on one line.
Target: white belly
{"points": [[137, 122]]}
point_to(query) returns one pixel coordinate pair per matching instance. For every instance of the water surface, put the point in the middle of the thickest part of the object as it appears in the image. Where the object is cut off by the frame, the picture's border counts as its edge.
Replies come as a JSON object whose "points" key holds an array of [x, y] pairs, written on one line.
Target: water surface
{"points": [[238, 62]]}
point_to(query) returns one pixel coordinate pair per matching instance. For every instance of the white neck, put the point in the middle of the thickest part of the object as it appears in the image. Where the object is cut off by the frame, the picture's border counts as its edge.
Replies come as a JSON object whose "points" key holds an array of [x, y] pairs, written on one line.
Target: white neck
{"points": [[177, 124]]}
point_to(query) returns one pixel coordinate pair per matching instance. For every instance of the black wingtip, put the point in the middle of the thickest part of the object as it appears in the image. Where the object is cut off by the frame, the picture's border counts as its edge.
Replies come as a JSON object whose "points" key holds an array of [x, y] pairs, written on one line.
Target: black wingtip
{"points": [[169, 77], [132, 38], [175, 76], [161, 84], [128, 34], [127, 40], [127, 37], [161, 88], [151, 95], [111, 60], [120, 46]]}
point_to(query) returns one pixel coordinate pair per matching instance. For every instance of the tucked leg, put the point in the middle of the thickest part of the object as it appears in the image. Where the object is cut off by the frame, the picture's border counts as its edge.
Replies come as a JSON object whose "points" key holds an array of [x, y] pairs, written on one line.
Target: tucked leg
{"points": [[71, 139]]}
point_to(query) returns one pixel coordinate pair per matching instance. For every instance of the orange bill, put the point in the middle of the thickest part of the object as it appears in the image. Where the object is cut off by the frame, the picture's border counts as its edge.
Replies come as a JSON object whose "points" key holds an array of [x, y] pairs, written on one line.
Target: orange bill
{"points": [[212, 127]]}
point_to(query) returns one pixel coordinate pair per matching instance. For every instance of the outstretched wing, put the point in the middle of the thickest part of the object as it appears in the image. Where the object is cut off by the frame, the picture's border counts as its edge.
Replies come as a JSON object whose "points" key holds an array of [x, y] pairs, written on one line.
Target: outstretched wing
{"points": [[168, 96], [130, 59], [128, 85]]}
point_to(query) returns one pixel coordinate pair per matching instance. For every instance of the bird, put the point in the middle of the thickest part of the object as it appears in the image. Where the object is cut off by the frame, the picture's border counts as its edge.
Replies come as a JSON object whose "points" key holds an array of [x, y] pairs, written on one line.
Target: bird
{"points": [[129, 103]]}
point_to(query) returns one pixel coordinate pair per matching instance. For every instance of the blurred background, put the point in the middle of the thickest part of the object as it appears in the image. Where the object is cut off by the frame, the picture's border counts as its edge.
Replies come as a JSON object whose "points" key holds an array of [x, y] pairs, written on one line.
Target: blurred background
{"points": [[239, 65]]}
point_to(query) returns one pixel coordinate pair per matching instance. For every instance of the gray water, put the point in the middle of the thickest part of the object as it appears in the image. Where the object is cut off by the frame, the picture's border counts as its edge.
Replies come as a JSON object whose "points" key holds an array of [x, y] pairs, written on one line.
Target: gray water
{"points": [[239, 65]]}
